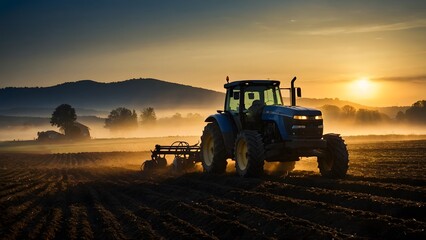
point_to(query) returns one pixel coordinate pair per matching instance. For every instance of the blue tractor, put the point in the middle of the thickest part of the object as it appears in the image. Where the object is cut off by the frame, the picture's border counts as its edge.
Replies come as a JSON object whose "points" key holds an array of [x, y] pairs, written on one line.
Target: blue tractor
{"points": [[255, 126]]}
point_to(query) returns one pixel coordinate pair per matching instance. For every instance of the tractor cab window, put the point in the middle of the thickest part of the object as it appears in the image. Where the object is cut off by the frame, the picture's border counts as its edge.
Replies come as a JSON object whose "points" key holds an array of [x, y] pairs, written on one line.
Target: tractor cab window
{"points": [[273, 96], [250, 97], [233, 100], [265, 95]]}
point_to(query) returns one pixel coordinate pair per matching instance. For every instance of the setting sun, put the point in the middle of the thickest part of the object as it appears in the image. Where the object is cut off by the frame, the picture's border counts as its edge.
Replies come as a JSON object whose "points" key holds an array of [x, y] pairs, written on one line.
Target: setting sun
{"points": [[363, 84], [362, 88]]}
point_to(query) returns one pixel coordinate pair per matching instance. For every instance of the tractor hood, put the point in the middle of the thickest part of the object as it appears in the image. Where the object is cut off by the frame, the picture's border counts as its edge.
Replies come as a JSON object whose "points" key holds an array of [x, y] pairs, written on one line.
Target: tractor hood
{"points": [[283, 117], [290, 111]]}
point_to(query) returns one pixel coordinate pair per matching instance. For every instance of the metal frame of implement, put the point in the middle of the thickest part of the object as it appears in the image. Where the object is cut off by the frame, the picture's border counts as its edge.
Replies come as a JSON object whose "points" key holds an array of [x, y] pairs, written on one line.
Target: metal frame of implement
{"points": [[185, 156]]}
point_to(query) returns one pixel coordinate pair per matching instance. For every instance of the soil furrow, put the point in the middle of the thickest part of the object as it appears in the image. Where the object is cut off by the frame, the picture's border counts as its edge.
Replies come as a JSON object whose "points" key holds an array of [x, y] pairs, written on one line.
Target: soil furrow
{"points": [[271, 223], [103, 195], [18, 176], [324, 214], [102, 221], [17, 200], [400, 208], [165, 224], [17, 229], [408, 192], [19, 189], [222, 226], [139, 227]]}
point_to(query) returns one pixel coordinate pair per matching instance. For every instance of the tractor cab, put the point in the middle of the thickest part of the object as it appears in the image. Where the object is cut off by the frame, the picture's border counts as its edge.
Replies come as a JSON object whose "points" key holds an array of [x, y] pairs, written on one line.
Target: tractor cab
{"points": [[246, 99]]}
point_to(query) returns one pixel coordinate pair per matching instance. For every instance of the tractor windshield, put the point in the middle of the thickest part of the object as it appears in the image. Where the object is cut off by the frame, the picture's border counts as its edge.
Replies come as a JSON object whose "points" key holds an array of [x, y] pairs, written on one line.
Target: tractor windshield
{"points": [[264, 95]]}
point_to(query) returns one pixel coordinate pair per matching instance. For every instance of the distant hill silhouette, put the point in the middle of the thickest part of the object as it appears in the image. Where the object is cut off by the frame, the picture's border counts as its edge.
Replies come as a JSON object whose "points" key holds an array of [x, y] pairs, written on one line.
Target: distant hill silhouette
{"points": [[87, 94], [97, 99], [8, 122], [44, 112]]}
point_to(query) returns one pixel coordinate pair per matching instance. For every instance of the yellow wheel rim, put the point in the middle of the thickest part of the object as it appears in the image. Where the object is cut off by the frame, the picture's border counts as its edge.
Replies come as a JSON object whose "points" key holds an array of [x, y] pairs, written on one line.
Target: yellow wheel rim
{"points": [[208, 150], [242, 159]]}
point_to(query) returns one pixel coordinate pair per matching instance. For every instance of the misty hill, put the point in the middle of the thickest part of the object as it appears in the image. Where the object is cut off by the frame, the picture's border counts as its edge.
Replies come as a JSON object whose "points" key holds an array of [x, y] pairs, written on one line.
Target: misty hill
{"points": [[44, 112], [134, 93], [318, 103], [98, 99], [9, 122]]}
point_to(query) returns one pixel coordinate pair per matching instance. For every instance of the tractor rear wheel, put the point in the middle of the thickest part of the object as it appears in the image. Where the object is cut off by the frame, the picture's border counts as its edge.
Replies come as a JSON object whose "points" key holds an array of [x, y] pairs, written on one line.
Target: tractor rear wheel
{"points": [[335, 161], [249, 154], [213, 152]]}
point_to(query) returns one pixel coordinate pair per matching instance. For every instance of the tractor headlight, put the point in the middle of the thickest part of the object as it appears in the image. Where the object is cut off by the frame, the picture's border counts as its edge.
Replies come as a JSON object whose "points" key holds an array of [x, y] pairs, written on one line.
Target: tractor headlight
{"points": [[318, 117], [299, 117]]}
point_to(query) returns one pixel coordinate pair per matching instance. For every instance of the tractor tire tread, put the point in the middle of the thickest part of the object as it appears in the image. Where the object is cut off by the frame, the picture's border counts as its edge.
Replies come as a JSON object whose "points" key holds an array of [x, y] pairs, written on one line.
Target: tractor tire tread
{"points": [[219, 159], [338, 155], [255, 153]]}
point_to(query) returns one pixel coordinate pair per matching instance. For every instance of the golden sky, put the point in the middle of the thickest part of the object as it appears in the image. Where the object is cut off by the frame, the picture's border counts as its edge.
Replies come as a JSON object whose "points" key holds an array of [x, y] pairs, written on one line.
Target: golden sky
{"points": [[370, 52]]}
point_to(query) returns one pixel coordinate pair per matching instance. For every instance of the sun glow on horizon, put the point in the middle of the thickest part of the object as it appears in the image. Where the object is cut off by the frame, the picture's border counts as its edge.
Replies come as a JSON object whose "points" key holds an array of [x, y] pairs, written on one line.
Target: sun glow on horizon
{"points": [[363, 84], [362, 89]]}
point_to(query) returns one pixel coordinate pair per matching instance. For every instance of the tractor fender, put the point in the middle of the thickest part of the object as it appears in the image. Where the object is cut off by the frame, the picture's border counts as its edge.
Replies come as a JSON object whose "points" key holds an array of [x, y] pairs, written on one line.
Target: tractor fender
{"points": [[227, 128]]}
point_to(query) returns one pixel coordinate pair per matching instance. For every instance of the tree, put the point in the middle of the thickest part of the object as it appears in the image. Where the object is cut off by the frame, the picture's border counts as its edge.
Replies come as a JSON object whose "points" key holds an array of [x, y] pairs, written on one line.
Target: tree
{"points": [[64, 117], [177, 117], [348, 111], [331, 112], [121, 119], [368, 116], [400, 116], [417, 112], [194, 117], [148, 116]]}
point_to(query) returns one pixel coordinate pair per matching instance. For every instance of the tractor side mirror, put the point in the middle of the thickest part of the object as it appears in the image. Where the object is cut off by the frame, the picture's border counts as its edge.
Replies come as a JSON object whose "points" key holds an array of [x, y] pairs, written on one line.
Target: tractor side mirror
{"points": [[236, 95], [299, 92]]}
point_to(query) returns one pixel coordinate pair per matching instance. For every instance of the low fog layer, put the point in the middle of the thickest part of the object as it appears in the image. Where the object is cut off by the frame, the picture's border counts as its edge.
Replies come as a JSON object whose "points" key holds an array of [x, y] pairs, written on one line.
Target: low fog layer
{"points": [[190, 122], [195, 128]]}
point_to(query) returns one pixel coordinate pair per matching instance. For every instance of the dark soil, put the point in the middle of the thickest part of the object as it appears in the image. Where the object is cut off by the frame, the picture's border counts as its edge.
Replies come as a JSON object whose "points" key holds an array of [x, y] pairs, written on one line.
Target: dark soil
{"points": [[106, 196]]}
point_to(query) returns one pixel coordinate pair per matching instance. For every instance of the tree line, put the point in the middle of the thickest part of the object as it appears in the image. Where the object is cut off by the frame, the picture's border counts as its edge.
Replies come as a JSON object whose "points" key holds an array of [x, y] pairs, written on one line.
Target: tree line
{"points": [[416, 113], [122, 119], [125, 119], [119, 119]]}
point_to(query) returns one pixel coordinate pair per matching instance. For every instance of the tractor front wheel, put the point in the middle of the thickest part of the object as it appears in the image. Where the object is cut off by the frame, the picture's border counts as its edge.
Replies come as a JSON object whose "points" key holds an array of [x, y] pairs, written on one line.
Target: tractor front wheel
{"points": [[213, 152], [249, 154], [334, 163]]}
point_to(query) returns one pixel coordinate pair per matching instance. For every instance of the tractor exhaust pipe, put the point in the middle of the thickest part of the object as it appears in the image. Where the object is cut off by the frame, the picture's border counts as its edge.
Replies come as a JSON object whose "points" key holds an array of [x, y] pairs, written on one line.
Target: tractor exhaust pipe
{"points": [[293, 92]]}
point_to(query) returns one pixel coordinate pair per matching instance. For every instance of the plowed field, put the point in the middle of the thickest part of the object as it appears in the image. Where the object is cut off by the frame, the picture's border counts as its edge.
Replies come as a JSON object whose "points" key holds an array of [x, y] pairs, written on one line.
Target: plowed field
{"points": [[105, 196]]}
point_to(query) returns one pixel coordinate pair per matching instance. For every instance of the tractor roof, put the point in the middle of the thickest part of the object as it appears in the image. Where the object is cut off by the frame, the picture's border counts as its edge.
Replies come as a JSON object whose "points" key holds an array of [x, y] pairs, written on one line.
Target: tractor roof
{"points": [[252, 83]]}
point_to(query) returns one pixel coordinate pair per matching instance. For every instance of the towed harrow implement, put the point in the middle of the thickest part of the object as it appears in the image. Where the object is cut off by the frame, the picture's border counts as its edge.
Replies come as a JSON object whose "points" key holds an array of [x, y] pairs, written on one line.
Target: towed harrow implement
{"points": [[185, 156]]}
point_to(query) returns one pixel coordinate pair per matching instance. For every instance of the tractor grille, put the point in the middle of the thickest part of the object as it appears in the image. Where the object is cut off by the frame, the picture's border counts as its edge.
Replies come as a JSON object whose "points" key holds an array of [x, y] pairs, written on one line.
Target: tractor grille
{"points": [[306, 129]]}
